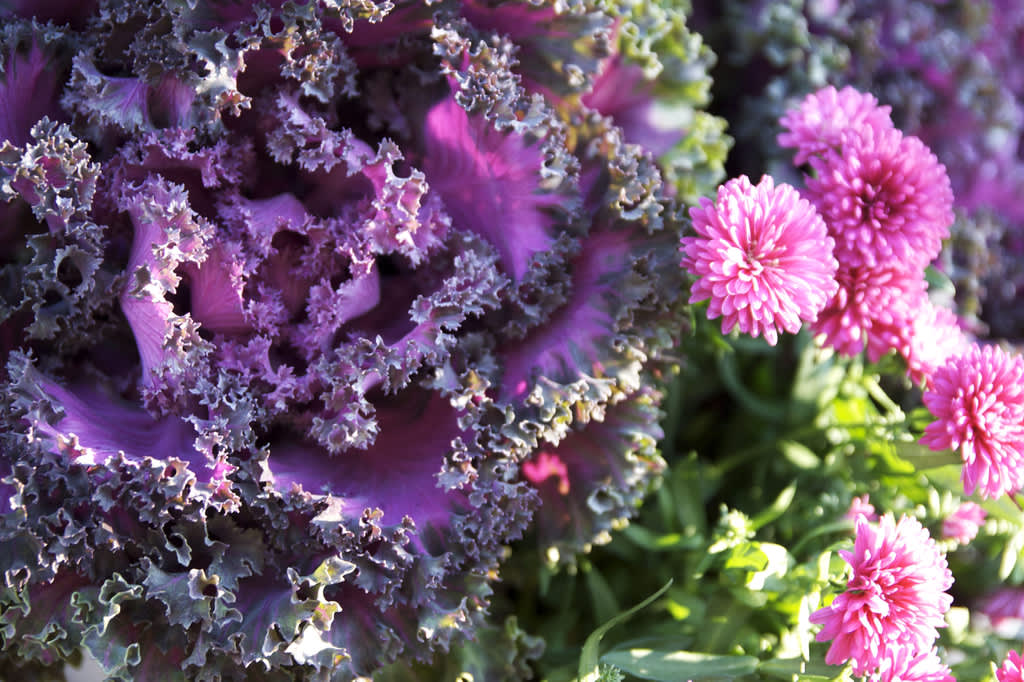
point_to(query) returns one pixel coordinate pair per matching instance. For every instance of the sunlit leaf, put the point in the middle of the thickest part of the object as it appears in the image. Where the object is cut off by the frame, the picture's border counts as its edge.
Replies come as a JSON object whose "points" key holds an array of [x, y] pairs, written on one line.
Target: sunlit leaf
{"points": [[672, 666], [588, 671]]}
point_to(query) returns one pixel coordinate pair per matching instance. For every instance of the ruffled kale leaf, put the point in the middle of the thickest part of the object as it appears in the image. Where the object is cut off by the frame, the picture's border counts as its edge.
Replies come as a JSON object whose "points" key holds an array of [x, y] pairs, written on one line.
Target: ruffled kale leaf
{"points": [[311, 310]]}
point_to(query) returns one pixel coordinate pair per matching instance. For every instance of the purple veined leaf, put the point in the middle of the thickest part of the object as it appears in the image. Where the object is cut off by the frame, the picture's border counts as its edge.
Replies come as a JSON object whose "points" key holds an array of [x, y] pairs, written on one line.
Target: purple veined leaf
{"points": [[176, 155], [397, 473], [389, 42], [317, 298], [215, 292], [613, 272], [167, 233], [29, 91], [129, 104], [622, 92], [95, 427], [481, 174], [57, 11]]}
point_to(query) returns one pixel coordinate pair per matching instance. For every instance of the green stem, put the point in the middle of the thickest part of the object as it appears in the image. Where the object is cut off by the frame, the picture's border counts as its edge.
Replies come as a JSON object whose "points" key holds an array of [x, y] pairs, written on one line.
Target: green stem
{"points": [[833, 527], [881, 397]]}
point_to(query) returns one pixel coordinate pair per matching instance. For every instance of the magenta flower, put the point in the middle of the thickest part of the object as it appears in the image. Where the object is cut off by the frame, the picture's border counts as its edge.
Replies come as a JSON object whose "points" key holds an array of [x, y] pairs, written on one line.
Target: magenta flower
{"points": [[861, 506], [762, 256], [977, 398], [1012, 669], [820, 121], [934, 336], [963, 524], [885, 198], [895, 598], [872, 309], [1003, 604], [904, 665]]}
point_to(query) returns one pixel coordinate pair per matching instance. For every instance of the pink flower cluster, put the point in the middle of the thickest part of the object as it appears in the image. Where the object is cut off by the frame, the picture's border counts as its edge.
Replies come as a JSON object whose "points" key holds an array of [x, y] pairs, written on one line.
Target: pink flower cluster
{"points": [[887, 204], [851, 262], [885, 622]]}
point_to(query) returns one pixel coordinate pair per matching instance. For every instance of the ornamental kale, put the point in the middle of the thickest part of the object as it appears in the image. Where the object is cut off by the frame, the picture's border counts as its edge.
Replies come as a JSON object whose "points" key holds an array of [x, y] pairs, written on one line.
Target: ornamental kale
{"points": [[309, 309]]}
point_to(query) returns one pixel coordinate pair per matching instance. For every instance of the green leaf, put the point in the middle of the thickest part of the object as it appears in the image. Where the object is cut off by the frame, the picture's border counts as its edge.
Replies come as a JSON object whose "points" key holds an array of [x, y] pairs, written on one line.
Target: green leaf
{"points": [[799, 455], [746, 557], [843, 526], [817, 380], [751, 565], [588, 671], [919, 418], [672, 666], [941, 289], [691, 482], [778, 564], [947, 478], [787, 668], [666, 542], [1011, 554], [601, 595], [672, 406], [923, 457], [777, 508]]}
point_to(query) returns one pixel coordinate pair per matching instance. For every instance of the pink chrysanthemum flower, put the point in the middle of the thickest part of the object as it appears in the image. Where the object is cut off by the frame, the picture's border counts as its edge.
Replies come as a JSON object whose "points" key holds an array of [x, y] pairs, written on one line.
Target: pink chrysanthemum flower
{"points": [[904, 665], [872, 309], [977, 398], [896, 597], [823, 117], [762, 256], [885, 198], [934, 336], [861, 506], [1012, 669], [963, 524]]}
